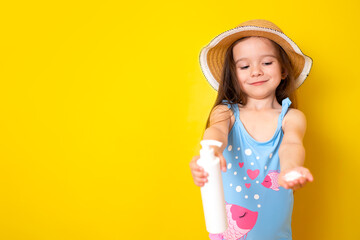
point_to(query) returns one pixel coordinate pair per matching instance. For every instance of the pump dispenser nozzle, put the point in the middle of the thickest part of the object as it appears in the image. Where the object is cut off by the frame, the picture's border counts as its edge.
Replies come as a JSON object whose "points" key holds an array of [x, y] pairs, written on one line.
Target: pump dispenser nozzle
{"points": [[208, 143], [207, 152]]}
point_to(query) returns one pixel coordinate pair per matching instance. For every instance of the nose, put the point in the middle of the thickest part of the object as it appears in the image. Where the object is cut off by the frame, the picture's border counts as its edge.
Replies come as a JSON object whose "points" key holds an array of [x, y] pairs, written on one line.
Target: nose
{"points": [[256, 71]]}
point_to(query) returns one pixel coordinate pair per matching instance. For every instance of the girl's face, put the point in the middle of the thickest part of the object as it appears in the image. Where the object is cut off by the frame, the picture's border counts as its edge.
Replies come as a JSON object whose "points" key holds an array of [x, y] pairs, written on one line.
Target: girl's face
{"points": [[258, 69]]}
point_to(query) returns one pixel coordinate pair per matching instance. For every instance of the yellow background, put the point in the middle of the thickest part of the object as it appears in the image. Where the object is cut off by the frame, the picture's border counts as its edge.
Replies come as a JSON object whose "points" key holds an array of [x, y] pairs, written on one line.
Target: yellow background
{"points": [[103, 104]]}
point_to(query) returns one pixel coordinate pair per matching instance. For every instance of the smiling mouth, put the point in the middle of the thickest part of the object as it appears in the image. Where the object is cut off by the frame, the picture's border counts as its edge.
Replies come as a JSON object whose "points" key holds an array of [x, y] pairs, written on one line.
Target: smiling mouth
{"points": [[258, 83]]}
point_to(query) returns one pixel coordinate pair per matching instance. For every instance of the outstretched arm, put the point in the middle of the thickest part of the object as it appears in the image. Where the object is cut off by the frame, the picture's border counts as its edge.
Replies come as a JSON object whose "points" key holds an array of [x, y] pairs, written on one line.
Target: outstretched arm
{"points": [[218, 130], [292, 151], [220, 120]]}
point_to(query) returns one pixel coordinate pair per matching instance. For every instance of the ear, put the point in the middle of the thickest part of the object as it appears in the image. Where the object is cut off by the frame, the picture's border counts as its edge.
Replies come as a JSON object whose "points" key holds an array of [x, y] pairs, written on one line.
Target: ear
{"points": [[284, 73]]}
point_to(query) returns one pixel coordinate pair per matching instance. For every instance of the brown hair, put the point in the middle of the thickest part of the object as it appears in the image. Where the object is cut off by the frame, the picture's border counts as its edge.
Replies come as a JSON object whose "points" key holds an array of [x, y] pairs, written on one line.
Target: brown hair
{"points": [[229, 87]]}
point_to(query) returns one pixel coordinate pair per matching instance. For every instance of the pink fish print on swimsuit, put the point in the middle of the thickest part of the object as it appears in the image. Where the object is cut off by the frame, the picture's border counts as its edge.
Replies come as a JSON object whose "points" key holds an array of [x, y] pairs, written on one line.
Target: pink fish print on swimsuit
{"points": [[271, 180], [240, 221]]}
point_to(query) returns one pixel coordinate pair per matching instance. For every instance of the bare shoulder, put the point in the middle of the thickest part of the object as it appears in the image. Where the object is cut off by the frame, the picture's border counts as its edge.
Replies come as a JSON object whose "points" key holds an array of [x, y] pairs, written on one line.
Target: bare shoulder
{"points": [[294, 121], [222, 116], [220, 113], [295, 115]]}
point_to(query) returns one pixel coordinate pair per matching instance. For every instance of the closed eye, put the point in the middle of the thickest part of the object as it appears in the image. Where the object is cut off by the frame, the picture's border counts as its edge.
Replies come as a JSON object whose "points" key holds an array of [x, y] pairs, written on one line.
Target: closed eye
{"points": [[244, 67], [268, 63], [243, 215]]}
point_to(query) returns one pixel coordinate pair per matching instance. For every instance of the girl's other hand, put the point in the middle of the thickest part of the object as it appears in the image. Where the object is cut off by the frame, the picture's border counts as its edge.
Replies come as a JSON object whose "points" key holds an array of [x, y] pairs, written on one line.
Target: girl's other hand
{"points": [[297, 183], [222, 161], [198, 173]]}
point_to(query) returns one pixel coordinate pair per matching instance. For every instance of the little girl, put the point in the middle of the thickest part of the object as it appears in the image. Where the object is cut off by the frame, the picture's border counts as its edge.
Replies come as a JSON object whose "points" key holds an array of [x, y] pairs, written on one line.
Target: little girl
{"points": [[256, 69]]}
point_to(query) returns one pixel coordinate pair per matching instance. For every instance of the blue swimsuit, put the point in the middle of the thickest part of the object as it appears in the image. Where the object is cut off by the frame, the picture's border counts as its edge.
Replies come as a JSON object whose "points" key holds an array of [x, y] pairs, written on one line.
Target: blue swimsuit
{"points": [[257, 207]]}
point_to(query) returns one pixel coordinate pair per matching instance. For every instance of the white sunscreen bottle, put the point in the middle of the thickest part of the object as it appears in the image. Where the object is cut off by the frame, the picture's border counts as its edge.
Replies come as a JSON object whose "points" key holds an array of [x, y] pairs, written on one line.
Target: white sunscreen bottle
{"points": [[212, 192]]}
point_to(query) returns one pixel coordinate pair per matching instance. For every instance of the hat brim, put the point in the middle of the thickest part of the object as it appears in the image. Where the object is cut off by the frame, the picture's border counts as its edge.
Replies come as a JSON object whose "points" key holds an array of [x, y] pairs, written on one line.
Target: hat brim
{"points": [[212, 56]]}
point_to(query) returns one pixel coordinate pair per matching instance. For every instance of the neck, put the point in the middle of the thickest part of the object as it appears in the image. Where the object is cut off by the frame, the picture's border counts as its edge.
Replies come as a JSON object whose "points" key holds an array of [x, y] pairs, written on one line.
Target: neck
{"points": [[262, 104]]}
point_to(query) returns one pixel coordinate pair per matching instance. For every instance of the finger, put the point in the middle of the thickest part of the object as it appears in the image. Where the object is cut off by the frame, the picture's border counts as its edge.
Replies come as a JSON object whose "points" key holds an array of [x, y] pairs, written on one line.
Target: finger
{"points": [[197, 172], [298, 181], [200, 180], [200, 177], [302, 181], [310, 177], [194, 166], [200, 174], [199, 184], [222, 163], [307, 174], [194, 160], [198, 169], [292, 184], [300, 185]]}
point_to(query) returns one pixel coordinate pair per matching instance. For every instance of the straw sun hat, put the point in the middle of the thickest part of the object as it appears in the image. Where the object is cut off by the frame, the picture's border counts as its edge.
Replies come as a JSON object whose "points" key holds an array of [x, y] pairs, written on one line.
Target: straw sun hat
{"points": [[212, 56]]}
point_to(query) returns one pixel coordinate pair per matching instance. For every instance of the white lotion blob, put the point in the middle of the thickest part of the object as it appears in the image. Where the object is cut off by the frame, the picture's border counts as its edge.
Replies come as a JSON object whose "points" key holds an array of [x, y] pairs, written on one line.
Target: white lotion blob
{"points": [[291, 176]]}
